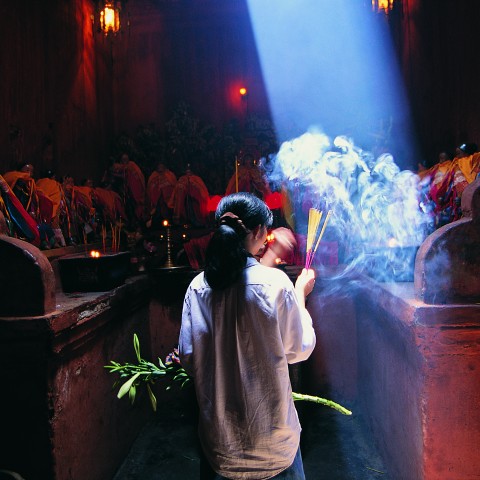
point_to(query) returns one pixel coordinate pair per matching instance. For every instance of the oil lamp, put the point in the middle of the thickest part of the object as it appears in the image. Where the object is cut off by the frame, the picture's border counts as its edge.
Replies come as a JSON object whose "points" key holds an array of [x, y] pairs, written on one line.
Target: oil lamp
{"points": [[169, 263], [382, 6], [109, 17]]}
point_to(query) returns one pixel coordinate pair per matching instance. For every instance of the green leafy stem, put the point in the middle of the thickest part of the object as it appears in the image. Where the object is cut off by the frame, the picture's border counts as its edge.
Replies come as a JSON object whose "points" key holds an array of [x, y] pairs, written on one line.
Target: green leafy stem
{"points": [[132, 375]]}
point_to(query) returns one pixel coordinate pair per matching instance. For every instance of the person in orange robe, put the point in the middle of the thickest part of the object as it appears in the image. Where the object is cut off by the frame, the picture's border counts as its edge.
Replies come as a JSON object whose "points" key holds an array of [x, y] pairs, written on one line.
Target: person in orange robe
{"points": [[134, 189], [83, 197], [109, 204], [20, 223], [38, 205], [160, 186], [80, 209], [23, 186], [448, 179], [51, 188], [189, 200]]}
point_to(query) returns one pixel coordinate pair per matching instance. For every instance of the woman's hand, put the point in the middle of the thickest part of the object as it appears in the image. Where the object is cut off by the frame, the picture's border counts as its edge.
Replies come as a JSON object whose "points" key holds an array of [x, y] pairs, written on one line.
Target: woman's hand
{"points": [[305, 283]]}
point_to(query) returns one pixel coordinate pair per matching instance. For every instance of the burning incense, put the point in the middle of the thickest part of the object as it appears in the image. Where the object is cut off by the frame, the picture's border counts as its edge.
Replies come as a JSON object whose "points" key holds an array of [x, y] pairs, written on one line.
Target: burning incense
{"points": [[320, 236], [104, 238], [115, 235], [314, 217], [313, 225], [236, 174], [85, 240]]}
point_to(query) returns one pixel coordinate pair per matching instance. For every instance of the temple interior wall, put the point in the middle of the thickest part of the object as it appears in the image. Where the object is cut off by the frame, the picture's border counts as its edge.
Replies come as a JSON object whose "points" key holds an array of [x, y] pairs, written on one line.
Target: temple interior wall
{"points": [[408, 368]]}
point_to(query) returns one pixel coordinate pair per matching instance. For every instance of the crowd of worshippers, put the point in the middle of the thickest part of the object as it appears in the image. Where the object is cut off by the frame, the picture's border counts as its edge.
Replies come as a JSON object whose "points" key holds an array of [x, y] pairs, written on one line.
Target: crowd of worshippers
{"points": [[442, 184], [53, 212]]}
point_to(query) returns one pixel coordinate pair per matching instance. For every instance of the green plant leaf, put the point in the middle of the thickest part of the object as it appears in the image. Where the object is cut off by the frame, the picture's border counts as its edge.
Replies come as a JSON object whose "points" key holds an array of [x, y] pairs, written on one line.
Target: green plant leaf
{"points": [[322, 401], [132, 393], [136, 346], [126, 386], [153, 399]]}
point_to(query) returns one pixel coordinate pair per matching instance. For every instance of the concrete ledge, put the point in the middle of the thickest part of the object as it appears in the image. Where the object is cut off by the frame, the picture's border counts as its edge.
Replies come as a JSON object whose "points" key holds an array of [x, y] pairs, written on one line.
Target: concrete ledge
{"points": [[58, 409], [418, 383]]}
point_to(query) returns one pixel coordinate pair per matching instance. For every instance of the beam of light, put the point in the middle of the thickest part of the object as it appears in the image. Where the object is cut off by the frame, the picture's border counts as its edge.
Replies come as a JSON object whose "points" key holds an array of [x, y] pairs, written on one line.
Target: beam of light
{"points": [[331, 64], [330, 72]]}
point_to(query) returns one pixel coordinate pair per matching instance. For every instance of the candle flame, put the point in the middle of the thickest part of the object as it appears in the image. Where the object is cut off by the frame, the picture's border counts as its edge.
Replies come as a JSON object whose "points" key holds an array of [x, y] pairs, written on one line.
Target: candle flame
{"points": [[95, 254]]}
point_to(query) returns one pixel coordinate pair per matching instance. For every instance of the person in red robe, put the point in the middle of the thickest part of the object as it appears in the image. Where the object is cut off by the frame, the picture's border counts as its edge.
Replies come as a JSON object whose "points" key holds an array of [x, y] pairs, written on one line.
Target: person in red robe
{"points": [[189, 200], [160, 186], [249, 178], [134, 190]]}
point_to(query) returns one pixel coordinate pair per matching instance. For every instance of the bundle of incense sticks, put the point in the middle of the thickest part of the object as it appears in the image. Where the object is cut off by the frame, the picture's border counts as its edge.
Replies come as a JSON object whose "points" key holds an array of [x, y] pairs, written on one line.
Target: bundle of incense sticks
{"points": [[313, 237], [116, 229], [104, 238]]}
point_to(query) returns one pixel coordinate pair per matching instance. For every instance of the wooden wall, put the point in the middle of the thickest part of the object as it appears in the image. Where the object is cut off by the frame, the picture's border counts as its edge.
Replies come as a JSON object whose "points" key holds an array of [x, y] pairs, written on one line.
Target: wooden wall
{"points": [[56, 108], [439, 47], [67, 91]]}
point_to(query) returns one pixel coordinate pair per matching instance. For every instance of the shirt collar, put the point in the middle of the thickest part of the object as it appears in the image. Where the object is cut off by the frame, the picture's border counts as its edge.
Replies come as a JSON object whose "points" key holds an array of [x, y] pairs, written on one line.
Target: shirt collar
{"points": [[251, 261]]}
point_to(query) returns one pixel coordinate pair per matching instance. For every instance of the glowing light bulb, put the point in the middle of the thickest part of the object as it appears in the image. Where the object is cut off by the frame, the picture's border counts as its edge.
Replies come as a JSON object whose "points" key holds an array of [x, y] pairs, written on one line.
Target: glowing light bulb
{"points": [[243, 91]]}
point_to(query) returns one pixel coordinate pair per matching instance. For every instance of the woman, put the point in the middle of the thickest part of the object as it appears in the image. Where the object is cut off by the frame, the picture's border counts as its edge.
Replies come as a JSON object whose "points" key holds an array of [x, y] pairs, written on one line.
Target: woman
{"points": [[242, 324]]}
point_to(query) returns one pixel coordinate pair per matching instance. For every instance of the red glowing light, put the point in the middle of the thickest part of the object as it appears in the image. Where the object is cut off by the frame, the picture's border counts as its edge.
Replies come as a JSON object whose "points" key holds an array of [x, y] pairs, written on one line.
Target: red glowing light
{"points": [[243, 91], [213, 203], [274, 200]]}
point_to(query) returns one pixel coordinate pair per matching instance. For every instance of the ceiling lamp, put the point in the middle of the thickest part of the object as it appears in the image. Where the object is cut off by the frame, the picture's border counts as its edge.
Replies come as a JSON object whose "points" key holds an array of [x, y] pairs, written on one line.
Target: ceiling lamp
{"points": [[382, 6], [110, 17]]}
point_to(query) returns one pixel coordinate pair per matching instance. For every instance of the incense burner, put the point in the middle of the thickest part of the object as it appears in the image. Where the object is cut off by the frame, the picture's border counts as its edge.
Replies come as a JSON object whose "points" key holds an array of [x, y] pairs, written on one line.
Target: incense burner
{"points": [[91, 273]]}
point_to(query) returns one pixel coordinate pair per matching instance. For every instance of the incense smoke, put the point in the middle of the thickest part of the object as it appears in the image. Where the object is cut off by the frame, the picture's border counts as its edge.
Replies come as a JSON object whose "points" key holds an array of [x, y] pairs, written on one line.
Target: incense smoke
{"points": [[376, 218]]}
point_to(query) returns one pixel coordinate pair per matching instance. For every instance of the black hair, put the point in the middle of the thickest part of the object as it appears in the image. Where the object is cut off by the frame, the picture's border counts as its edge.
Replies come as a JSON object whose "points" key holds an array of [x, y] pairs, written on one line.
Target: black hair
{"points": [[226, 255]]}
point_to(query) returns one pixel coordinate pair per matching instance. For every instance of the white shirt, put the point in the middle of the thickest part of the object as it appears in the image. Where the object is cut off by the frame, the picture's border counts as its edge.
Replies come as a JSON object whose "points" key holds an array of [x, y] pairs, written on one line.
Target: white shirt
{"points": [[237, 344]]}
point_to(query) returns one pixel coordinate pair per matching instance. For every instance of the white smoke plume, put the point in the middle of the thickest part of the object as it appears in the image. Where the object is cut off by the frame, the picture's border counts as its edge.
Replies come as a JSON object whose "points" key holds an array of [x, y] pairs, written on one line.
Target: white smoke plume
{"points": [[376, 217]]}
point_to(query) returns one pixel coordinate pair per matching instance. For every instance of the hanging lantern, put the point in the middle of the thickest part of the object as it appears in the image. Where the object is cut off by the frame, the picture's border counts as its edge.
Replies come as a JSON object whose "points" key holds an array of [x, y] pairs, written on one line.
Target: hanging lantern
{"points": [[110, 17], [382, 6]]}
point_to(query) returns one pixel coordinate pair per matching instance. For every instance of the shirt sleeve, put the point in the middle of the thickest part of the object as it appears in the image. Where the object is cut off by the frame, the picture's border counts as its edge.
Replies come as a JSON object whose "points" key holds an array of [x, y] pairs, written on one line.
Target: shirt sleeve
{"points": [[185, 344], [296, 328]]}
